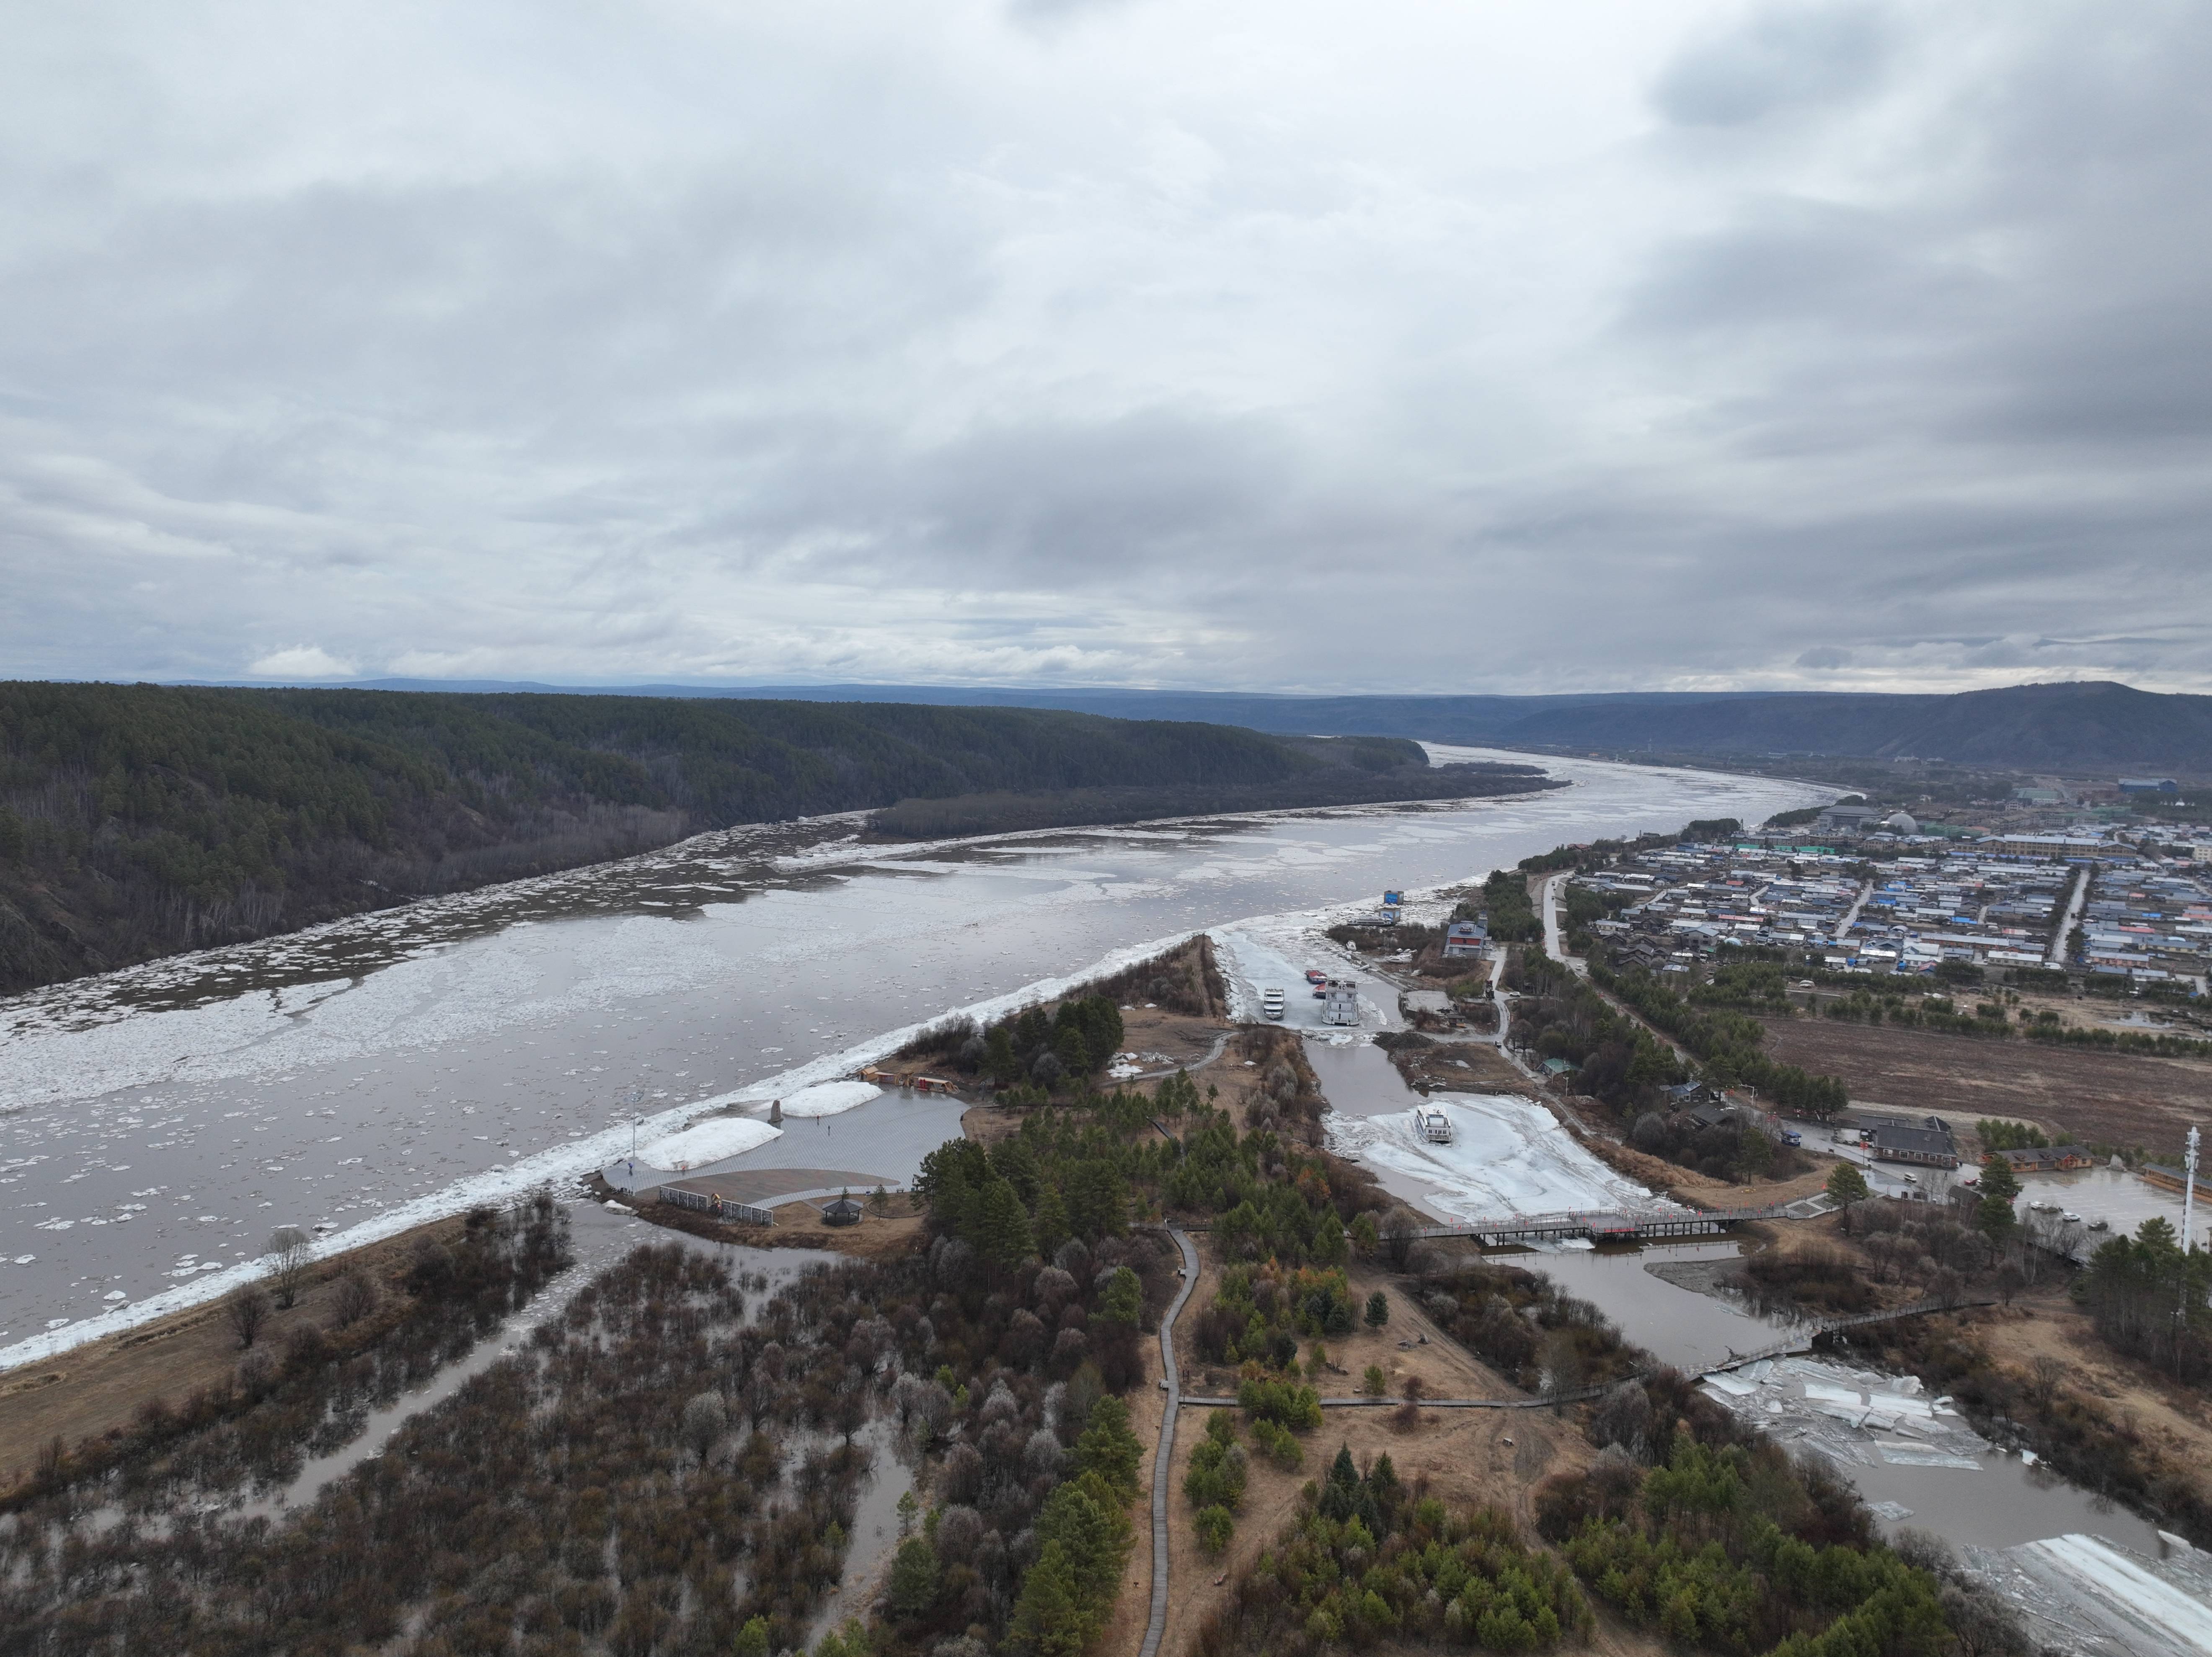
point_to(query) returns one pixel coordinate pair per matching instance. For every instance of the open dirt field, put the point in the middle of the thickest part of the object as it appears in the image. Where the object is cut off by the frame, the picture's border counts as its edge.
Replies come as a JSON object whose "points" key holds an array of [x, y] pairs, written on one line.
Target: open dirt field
{"points": [[1468, 1456], [2118, 1099], [2176, 1419]]}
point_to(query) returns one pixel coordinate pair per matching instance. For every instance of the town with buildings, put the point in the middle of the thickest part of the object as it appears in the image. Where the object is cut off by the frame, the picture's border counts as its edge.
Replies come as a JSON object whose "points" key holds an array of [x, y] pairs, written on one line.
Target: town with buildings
{"points": [[1864, 890]]}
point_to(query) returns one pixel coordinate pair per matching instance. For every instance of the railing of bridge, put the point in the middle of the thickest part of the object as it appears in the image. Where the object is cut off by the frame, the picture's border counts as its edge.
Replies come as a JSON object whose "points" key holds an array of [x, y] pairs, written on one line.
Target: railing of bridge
{"points": [[1606, 1222]]}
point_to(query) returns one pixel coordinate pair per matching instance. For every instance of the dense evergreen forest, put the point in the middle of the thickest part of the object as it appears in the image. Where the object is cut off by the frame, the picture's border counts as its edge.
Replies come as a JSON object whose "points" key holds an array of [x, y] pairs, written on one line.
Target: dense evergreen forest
{"points": [[136, 821]]}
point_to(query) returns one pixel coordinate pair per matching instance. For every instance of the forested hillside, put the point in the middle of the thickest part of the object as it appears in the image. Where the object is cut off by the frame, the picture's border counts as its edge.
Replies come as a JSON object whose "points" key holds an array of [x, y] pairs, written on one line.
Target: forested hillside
{"points": [[2090, 726], [136, 821]]}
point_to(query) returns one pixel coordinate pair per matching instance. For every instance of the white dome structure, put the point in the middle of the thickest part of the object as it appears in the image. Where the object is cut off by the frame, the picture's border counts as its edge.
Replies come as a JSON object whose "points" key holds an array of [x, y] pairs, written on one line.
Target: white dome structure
{"points": [[1900, 822]]}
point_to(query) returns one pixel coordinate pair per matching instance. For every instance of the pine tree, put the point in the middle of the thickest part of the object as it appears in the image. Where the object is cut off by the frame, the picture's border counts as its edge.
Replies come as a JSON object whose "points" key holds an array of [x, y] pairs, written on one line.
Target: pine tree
{"points": [[1049, 1617], [1002, 1226], [1050, 1224], [1108, 1448], [1123, 1302], [1993, 1216]]}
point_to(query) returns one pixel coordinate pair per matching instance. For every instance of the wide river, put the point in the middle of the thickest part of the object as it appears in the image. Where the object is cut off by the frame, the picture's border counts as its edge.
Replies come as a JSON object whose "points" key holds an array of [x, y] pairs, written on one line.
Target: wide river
{"points": [[156, 1124]]}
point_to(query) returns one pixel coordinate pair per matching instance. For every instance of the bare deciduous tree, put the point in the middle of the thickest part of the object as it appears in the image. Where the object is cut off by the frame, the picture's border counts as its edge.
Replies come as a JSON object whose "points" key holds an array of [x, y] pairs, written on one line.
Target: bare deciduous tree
{"points": [[355, 1299], [248, 1310], [2046, 1371], [706, 1418], [289, 1255]]}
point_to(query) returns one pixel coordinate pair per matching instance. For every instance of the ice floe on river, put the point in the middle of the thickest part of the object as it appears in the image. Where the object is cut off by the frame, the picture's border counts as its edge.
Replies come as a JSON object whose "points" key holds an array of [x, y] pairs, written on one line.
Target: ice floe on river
{"points": [[1848, 1415], [562, 1164], [2089, 1597]]}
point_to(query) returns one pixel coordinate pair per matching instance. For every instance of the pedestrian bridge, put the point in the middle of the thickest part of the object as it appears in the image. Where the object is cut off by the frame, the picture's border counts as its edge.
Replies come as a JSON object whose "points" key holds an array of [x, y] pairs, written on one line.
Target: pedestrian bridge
{"points": [[1601, 1225]]}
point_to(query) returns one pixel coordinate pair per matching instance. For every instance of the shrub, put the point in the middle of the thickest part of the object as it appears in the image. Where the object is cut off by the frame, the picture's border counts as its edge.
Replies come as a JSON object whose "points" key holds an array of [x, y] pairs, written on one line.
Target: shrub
{"points": [[1213, 1526]]}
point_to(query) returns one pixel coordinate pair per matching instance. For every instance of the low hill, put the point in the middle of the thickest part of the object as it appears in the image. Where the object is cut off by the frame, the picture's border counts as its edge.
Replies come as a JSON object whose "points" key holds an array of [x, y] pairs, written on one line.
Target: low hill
{"points": [[139, 819]]}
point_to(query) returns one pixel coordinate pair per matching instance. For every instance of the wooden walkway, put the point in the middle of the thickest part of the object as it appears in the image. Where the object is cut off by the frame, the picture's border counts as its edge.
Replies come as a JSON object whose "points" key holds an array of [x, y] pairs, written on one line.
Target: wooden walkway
{"points": [[1803, 1339], [1164, 1455]]}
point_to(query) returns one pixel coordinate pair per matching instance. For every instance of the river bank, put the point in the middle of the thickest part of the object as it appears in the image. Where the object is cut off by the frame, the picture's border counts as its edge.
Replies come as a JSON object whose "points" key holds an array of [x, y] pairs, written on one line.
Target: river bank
{"points": [[379, 1072]]}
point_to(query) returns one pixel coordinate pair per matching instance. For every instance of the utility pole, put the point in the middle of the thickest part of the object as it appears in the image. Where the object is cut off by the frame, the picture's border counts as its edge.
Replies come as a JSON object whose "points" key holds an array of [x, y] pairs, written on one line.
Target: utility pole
{"points": [[2188, 1192]]}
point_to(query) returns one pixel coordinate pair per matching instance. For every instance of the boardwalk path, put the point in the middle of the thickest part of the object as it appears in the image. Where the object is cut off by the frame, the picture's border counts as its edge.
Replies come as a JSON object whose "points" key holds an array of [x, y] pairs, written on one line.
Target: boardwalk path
{"points": [[1163, 1457]]}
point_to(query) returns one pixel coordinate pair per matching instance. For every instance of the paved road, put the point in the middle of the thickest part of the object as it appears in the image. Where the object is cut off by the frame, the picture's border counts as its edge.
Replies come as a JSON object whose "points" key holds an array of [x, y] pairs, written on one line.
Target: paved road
{"points": [[1164, 1456], [1554, 945], [1220, 1045], [1851, 915], [2056, 955]]}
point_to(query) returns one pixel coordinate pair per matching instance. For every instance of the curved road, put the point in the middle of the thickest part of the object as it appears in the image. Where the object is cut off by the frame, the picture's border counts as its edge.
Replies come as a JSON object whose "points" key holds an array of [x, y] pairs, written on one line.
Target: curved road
{"points": [[1164, 1456]]}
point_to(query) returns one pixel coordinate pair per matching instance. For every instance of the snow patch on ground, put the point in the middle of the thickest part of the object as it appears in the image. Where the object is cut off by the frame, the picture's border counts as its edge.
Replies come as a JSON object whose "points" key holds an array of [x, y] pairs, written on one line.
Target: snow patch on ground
{"points": [[712, 1141], [826, 1099], [1507, 1155]]}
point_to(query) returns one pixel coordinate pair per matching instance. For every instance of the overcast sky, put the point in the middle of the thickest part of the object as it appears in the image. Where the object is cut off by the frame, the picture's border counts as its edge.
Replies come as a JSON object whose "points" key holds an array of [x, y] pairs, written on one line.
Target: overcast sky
{"points": [[1396, 345]]}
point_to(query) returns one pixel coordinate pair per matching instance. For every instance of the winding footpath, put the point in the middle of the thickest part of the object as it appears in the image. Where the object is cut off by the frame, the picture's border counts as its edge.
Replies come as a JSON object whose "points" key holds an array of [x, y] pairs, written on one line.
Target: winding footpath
{"points": [[1164, 1456]]}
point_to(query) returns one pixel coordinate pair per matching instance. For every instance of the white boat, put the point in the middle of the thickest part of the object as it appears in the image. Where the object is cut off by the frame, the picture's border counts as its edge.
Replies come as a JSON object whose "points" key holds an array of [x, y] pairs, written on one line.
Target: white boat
{"points": [[1435, 1126], [1271, 1003], [2071, 1217]]}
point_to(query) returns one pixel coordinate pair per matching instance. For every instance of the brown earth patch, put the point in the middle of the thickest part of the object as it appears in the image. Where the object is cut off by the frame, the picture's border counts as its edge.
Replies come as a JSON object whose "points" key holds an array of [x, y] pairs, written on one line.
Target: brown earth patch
{"points": [[880, 1235], [97, 1389], [1462, 1067], [2103, 1098], [1468, 1457]]}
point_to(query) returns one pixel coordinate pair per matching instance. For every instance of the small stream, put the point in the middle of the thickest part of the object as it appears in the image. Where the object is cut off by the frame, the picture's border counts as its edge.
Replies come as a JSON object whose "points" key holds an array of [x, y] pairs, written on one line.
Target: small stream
{"points": [[875, 1533], [2005, 1502]]}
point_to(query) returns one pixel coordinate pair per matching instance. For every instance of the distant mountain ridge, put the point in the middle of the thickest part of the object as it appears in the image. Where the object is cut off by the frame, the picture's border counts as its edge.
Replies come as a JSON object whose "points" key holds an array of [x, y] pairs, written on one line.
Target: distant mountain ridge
{"points": [[2094, 726]]}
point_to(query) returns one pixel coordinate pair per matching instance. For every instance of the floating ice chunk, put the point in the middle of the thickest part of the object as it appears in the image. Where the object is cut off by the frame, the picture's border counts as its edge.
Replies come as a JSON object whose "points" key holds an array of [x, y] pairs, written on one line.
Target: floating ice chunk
{"points": [[113, 1295], [1892, 1403], [2160, 1615], [1733, 1386], [1894, 1512], [1925, 1455], [1822, 1392]]}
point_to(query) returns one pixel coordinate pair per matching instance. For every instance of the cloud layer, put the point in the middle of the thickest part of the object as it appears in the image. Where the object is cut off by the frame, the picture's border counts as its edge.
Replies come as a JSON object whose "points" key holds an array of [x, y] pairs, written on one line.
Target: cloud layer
{"points": [[1625, 344]]}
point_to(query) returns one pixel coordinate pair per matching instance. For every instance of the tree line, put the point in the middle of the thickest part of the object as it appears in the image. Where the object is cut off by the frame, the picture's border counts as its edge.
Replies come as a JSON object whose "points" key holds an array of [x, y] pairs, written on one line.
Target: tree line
{"points": [[140, 820]]}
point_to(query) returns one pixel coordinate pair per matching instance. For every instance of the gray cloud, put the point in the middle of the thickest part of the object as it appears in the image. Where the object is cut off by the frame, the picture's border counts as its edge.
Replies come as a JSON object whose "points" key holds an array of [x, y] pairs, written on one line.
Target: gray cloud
{"points": [[1788, 58], [1207, 346]]}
